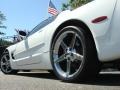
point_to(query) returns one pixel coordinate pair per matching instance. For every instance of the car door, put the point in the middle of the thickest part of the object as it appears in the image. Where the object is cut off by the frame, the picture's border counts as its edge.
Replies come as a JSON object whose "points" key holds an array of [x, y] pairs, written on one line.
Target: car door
{"points": [[27, 51], [20, 53]]}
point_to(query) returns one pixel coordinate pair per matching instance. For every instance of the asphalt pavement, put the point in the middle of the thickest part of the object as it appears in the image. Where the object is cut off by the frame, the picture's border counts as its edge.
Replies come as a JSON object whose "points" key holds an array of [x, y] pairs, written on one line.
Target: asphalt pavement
{"points": [[45, 81]]}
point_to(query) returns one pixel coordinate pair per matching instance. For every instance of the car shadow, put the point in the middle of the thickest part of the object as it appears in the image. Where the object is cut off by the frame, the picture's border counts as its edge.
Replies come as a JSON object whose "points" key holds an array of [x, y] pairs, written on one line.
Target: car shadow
{"points": [[104, 79], [44, 75]]}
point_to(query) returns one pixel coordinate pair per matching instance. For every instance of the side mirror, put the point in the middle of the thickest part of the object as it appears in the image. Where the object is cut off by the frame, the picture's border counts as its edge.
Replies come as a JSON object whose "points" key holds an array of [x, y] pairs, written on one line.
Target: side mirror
{"points": [[22, 33]]}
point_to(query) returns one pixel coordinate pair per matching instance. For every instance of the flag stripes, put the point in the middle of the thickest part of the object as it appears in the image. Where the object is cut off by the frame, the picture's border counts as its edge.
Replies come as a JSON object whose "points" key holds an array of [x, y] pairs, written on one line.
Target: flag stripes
{"points": [[52, 10]]}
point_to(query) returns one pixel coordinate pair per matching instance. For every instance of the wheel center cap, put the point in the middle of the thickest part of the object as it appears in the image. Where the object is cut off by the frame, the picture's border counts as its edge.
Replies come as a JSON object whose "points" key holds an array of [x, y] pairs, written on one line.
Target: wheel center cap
{"points": [[69, 55], [68, 50]]}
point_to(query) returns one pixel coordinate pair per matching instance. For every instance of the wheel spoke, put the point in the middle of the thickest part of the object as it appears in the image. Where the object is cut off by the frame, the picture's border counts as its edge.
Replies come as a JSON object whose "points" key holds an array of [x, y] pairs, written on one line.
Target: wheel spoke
{"points": [[5, 58], [2, 63], [78, 56], [73, 41], [64, 46], [61, 58], [68, 68], [6, 69]]}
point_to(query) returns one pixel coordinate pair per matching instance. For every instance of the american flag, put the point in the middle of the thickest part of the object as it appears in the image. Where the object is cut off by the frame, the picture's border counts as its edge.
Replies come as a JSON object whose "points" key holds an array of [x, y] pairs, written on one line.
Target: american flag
{"points": [[52, 9]]}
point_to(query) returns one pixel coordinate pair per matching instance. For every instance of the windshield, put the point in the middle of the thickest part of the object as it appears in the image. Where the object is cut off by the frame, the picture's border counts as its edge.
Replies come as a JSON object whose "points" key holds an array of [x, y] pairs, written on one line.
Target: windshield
{"points": [[42, 24]]}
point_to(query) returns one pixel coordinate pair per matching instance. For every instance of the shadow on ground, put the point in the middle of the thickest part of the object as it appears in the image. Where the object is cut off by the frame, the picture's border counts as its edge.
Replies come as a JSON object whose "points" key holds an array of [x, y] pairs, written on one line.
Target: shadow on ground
{"points": [[104, 79], [44, 75]]}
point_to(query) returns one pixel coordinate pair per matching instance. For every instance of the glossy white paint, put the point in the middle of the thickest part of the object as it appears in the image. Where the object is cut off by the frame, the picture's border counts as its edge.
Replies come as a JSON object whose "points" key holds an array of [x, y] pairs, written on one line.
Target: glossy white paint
{"points": [[34, 51]]}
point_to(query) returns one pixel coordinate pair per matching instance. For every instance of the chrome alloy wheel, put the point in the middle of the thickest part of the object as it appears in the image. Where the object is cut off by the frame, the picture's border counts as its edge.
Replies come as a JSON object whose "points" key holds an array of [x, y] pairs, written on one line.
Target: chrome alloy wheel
{"points": [[5, 63], [68, 54]]}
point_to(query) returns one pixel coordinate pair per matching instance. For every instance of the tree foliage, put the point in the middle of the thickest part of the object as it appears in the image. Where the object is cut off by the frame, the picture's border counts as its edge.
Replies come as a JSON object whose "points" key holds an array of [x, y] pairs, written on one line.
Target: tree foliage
{"points": [[5, 42], [73, 4], [2, 18]]}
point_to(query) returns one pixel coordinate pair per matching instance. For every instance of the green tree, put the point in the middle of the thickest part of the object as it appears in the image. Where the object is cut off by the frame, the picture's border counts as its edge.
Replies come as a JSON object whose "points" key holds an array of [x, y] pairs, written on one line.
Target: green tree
{"points": [[65, 6], [2, 18], [5, 42], [73, 4]]}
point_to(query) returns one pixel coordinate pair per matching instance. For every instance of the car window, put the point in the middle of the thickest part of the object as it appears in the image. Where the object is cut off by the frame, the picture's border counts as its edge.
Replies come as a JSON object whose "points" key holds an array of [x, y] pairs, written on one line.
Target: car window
{"points": [[42, 24]]}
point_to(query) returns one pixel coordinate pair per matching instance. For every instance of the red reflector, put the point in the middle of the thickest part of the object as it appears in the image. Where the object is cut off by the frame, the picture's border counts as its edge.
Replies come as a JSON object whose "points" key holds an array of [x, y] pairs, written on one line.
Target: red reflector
{"points": [[99, 19]]}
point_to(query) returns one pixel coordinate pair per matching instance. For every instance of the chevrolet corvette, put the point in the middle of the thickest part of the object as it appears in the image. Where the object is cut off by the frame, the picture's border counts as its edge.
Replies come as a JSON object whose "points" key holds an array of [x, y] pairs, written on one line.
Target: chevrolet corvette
{"points": [[74, 44]]}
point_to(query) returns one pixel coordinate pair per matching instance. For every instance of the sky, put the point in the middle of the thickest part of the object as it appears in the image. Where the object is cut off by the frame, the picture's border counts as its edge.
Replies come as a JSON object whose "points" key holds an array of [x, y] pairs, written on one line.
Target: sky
{"points": [[25, 14]]}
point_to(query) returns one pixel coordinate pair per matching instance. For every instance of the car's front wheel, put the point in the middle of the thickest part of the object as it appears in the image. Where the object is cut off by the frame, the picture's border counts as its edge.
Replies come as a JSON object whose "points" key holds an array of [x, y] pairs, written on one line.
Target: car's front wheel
{"points": [[73, 55], [5, 64]]}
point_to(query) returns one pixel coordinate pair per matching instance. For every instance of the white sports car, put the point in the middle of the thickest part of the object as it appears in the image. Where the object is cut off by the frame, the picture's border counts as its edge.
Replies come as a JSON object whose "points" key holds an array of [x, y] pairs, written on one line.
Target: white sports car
{"points": [[73, 44]]}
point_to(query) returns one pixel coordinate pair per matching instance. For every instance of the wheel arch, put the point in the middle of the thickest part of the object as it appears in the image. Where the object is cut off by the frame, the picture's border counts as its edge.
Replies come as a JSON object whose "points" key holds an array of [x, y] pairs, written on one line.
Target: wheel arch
{"points": [[77, 23]]}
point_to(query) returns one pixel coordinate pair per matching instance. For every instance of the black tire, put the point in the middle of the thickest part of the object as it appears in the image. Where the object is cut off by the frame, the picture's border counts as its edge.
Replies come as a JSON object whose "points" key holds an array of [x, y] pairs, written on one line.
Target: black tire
{"points": [[5, 64], [89, 65]]}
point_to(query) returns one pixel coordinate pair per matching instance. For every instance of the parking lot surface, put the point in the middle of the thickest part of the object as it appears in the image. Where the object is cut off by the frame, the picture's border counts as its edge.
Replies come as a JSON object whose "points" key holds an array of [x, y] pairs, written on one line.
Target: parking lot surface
{"points": [[46, 81]]}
